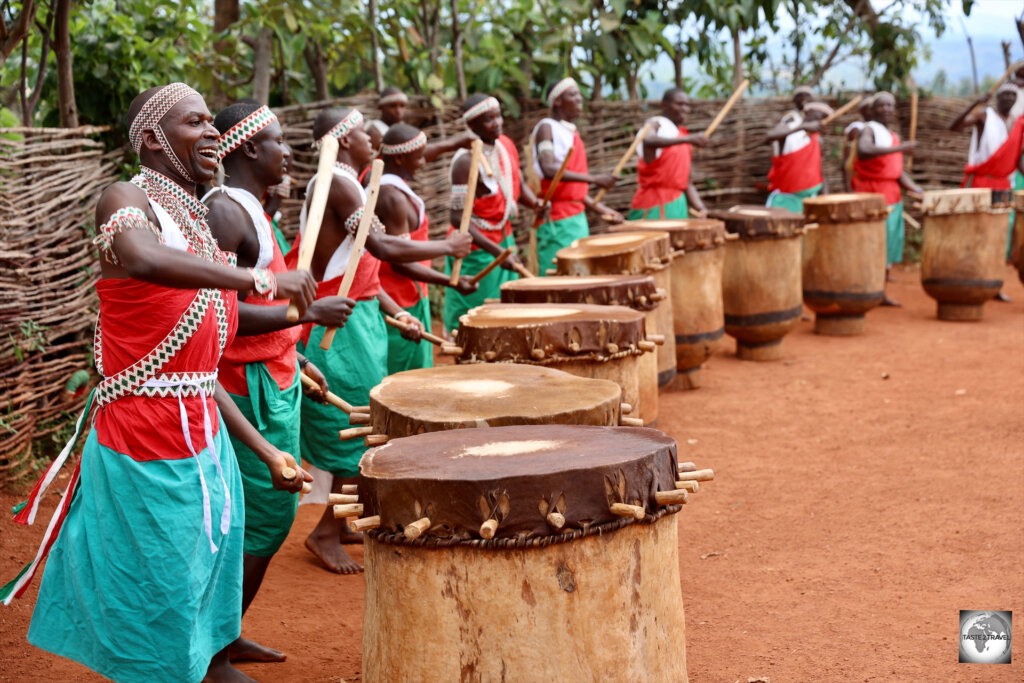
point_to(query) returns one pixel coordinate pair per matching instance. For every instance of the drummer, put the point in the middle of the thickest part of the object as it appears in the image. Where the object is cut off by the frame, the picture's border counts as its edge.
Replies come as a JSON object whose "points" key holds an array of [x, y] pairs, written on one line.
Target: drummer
{"points": [[392, 104], [494, 205], [797, 171], [850, 135], [663, 170], [552, 138], [879, 168]]}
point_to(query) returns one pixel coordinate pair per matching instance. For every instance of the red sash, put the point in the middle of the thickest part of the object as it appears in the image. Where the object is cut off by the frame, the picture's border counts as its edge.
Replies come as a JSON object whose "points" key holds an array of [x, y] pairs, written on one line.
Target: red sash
{"points": [[275, 349], [664, 179], [491, 207], [995, 171], [568, 198], [797, 171], [404, 291], [880, 174]]}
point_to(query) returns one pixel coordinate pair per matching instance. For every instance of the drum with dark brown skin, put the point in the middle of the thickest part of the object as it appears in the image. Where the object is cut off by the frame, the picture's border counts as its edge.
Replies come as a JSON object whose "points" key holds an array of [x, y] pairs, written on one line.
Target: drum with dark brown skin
{"points": [[962, 257], [600, 342], [696, 283], [633, 291], [761, 290], [1017, 245], [525, 553], [844, 260], [629, 254]]}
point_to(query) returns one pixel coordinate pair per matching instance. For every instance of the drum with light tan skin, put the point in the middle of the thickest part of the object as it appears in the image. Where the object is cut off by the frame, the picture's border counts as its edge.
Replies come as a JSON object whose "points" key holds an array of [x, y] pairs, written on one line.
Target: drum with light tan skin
{"points": [[1017, 245], [632, 253], [761, 290], [963, 252], [633, 291], [844, 260], [599, 342], [489, 395], [696, 285], [526, 553]]}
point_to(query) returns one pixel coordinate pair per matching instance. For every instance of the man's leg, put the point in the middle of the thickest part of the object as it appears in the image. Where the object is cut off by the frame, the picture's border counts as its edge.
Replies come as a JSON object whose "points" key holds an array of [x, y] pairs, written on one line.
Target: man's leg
{"points": [[326, 539]]}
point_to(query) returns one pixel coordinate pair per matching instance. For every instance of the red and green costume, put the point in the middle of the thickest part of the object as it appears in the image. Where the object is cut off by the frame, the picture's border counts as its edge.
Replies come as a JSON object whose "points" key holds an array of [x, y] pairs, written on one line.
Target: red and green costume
{"points": [[568, 220], [881, 175], [795, 174], [662, 184]]}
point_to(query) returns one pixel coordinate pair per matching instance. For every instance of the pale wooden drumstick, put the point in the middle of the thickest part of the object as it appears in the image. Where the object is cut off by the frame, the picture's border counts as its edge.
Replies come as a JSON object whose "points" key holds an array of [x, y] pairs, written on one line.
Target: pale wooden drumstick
{"points": [[842, 110], [709, 131], [446, 348], [288, 474], [498, 260], [467, 210], [332, 398], [913, 127], [625, 159]]}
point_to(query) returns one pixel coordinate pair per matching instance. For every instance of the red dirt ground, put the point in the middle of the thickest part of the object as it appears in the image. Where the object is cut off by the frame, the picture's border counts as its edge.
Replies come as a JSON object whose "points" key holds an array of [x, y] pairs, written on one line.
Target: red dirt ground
{"points": [[851, 518]]}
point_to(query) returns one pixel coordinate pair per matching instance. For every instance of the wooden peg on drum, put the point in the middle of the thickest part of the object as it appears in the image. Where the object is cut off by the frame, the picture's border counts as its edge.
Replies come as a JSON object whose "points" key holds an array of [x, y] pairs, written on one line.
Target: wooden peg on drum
{"points": [[365, 524], [631, 422], [348, 510], [686, 467], [699, 475], [354, 433], [289, 474], [676, 497], [375, 440], [625, 510], [690, 486], [359, 418], [350, 488], [555, 520], [341, 499], [488, 529], [417, 528]]}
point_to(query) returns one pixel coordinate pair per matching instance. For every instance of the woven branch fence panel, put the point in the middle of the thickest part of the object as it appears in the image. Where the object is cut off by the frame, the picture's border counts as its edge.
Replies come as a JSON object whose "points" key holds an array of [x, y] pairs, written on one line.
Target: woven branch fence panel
{"points": [[50, 180]]}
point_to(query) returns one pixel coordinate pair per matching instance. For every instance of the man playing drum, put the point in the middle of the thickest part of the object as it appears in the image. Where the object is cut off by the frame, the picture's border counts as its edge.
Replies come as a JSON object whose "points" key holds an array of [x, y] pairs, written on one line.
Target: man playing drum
{"points": [[144, 579], [553, 137], [664, 189], [797, 171], [850, 135], [879, 168], [260, 368]]}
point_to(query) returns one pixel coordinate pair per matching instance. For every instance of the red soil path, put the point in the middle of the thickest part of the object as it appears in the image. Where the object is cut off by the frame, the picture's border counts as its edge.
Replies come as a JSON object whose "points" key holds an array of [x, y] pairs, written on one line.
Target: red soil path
{"points": [[851, 518]]}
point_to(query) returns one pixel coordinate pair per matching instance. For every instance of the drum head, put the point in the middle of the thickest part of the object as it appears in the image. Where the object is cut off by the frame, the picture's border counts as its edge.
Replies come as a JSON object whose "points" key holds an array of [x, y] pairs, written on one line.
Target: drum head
{"points": [[845, 207], [620, 253], [961, 200], [751, 221], [687, 234], [633, 291]]}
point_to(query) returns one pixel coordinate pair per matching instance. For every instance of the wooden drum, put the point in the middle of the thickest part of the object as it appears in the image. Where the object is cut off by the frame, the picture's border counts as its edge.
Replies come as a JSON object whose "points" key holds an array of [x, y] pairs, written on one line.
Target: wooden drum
{"points": [[492, 395], [525, 553], [633, 291], [963, 252], [629, 254], [600, 342], [761, 278], [696, 286], [1017, 245], [844, 260]]}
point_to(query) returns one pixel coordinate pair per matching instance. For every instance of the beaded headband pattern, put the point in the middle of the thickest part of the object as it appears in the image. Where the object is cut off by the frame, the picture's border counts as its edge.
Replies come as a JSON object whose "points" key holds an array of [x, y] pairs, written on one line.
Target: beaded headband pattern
{"points": [[481, 108], [244, 130], [342, 128], [405, 147], [155, 108], [393, 98], [560, 88]]}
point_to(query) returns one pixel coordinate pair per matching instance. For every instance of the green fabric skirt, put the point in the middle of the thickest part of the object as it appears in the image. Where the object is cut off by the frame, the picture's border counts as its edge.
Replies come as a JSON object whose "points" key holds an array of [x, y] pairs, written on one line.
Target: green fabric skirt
{"points": [[675, 209], [554, 235], [456, 304], [792, 202], [895, 235], [1018, 184], [356, 362], [269, 513], [131, 589], [406, 355]]}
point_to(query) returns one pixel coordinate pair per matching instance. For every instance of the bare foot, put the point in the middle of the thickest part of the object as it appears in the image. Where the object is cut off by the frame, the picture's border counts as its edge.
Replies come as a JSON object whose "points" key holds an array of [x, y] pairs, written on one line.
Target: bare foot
{"points": [[349, 537], [245, 650], [332, 555], [886, 301], [221, 671], [1000, 296]]}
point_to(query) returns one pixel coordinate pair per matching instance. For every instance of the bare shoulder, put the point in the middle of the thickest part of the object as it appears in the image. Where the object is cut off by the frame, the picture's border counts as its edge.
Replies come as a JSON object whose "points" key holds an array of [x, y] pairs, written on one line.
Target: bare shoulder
{"points": [[121, 195], [460, 169], [544, 131]]}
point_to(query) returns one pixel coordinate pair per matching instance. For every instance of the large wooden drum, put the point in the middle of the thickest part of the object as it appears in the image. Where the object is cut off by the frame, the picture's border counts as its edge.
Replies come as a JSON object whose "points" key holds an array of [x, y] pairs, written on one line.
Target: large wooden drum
{"points": [[491, 395], [633, 291], [600, 342], [1017, 245], [844, 260], [629, 254], [696, 285], [761, 278], [526, 553], [962, 258]]}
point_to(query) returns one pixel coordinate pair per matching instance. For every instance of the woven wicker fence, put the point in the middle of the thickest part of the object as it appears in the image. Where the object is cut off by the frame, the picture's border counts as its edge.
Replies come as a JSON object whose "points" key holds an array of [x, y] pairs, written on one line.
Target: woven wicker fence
{"points": [[49, 182]]}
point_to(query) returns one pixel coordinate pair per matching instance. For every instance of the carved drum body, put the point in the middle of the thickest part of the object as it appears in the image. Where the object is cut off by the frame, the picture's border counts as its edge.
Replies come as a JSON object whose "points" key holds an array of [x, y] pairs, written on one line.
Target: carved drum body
{"points": [[844, 260], [963, 252]]}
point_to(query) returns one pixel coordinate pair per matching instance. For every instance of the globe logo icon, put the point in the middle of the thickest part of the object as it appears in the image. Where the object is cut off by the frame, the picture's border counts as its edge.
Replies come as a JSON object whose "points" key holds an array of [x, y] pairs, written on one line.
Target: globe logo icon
{"points": [[985, 637]]}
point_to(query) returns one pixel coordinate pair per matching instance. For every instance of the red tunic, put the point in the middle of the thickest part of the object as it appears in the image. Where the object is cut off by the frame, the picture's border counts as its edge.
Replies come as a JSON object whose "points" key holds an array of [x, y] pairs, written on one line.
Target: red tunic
{"points": [[568, 198], [880, 174], [491, 207], [797, 171], [995, 171], [404, 291], [663, 180]]}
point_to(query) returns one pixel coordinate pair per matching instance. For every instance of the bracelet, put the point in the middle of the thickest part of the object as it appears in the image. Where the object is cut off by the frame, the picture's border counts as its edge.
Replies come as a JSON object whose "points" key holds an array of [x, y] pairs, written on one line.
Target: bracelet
{"points": [[403, 314], [264, 282]]}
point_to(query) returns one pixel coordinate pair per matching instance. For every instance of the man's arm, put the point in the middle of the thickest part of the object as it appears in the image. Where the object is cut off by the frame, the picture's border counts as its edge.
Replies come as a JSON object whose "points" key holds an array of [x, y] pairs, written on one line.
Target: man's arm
{"points": [[969, 117], [460, 141], [868, 149], [416, 271], [413, 327], [908, 184], [693, 196]]}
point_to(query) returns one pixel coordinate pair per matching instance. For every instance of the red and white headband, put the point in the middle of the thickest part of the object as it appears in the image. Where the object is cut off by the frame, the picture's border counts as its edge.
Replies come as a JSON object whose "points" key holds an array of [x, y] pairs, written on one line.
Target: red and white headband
{"points": [[155, 108], [245, 130], [405, 147], [351, 121], [560, 88], [480, 108], [393, 98]]}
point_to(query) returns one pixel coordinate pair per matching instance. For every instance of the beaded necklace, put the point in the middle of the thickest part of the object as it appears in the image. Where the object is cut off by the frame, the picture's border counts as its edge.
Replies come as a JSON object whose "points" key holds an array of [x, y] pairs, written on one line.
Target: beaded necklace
{"points": [[186, 210]]}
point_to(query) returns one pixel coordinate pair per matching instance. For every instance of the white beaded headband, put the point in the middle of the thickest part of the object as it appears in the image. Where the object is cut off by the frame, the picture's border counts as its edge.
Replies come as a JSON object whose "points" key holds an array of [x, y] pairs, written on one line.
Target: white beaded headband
{"points": [[405, 147], [155, 108], [393, 98], [245, 130], [480, 108], [342, 128], [560, 88]]}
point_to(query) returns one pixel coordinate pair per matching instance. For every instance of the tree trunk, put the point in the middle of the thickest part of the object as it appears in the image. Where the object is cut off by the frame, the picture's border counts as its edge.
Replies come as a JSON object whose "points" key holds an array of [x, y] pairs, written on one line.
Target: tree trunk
{"points": [[11, 37], [378, 77], [631, 85], [460, 74], [677, 64], [263, 53], [318, 68], [65, 76], [225, 13], [737, 59]]}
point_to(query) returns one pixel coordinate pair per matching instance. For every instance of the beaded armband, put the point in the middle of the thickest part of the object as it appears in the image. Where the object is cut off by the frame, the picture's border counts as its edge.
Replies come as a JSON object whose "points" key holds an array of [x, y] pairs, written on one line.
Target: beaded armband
{"points": [[459, 193], [125, 218], [264, 282], [545, 146], [352, 222]]}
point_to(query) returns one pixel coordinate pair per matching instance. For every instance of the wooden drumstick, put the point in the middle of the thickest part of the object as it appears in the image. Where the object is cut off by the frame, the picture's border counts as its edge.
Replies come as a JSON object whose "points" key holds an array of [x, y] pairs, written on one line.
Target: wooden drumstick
{"points": [[446, 348], [365, 524], [332, 398], [729, 103], [913, 127], [288, 474], [539, 215], [417, 528], [467, 210], [341, 499], [348, 510], [523, 272], [489, 528], [690, 486], [624, 510], [365, 221], [498, 260], [699, 475], [842, 110], [317, 205], [625, 159], [354, 433], [677, 497]]}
